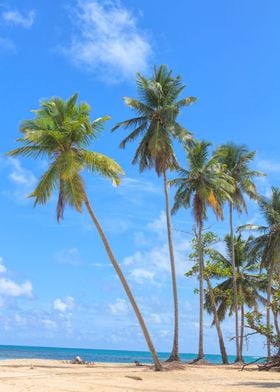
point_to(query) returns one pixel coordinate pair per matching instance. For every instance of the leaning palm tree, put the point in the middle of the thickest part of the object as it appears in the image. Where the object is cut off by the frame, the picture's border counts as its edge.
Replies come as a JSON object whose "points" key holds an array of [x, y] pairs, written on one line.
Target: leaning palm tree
{"points": [[158, 109], [62, 131], [237, 158], [249, 283], [266, 247], [204, 184]]}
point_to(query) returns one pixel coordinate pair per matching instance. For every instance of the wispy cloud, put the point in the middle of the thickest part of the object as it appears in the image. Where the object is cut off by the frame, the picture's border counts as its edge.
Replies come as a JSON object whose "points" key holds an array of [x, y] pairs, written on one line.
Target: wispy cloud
{"points": [[22, 179], [119, 307], [7, 45], [109, 41], [17, 18], [152, 265], [268, 166], [70, 256]]}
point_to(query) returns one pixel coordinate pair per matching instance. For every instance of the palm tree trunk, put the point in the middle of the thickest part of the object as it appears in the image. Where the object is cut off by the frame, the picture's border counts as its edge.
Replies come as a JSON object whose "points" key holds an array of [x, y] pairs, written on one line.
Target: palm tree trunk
{"points": [[235, 296], [268, 304], [276, 324], [217, 324], [201, 293], [242, 326], [120, 274], [174, 356]]}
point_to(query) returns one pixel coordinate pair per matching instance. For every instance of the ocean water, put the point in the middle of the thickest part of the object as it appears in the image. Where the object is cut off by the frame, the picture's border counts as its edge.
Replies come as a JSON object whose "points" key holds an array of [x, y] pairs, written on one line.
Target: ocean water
{"points": [[94, 355]]}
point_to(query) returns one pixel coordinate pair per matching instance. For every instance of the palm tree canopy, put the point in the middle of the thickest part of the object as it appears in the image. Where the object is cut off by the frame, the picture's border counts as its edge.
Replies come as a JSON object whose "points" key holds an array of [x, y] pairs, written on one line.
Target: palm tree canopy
{"points": [[237, 158], [266, 247], [249, 282], [61, 131], [205, 183], [157, 110]]}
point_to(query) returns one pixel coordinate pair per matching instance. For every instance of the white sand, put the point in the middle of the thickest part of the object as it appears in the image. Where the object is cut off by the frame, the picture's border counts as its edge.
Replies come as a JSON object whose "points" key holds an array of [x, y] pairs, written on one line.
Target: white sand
{"points": [[56, 376]]}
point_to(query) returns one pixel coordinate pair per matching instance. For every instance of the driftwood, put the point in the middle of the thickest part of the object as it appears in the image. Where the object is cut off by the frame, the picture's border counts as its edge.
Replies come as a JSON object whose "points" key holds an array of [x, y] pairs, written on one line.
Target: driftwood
{"points": [[135, 378], [270, 363]]}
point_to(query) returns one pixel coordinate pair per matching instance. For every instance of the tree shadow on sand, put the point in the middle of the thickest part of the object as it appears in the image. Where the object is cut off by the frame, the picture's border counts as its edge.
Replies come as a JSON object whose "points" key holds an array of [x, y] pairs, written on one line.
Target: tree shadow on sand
{"points": [[260, 384]]}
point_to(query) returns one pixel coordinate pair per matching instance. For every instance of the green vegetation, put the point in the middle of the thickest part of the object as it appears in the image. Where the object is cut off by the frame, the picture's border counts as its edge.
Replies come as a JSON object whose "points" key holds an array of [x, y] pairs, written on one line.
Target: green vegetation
{"points": [[232, 281]]}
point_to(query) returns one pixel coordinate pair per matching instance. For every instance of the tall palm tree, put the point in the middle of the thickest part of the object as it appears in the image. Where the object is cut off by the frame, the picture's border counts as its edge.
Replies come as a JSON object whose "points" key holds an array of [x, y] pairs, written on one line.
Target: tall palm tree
{"points": [[237, 159], [211, 268], [266, 247], [204, 184], [248, 282], [61, 131], [156, 124]]}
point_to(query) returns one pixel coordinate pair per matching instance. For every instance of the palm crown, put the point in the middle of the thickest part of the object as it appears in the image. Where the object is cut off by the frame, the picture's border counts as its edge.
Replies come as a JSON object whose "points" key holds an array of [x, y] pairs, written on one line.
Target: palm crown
{"points": [[157, 109], [266, 247], [61, 131], [236, 160], [203, 184], [248, 283]]}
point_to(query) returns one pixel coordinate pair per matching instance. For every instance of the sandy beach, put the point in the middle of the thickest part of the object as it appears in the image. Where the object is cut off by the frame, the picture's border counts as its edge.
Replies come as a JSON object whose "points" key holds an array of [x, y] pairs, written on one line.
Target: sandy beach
{"points": [[56, 376]]}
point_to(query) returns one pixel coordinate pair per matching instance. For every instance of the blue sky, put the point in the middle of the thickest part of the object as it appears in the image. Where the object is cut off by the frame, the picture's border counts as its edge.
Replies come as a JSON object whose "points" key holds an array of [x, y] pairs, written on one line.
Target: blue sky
{"points": [[57, 287]]}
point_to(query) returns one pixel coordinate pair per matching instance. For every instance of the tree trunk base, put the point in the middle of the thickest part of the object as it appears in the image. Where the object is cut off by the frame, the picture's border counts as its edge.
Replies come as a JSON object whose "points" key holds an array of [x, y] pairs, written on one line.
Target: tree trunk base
{"points": [[173, 358], [239, 361], [199, 361]]}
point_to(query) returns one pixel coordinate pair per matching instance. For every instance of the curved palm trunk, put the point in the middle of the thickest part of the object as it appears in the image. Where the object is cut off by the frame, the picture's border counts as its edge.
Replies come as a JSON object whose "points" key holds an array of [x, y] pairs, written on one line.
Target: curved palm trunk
{"points": [[268, 304], [242, 326], [217, 324], [119, 272], [174, 356], [201, 293], [235, 296]]}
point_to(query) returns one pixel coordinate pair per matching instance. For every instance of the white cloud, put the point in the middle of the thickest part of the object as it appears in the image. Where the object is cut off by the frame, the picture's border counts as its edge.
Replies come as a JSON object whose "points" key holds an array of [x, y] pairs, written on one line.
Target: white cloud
{"points": [[9, 288], [64, 305], [3, 269], [120, 307], [140, 276], [19, 19], [152, 265], [109, 43], [158, 223], [22, 179]]}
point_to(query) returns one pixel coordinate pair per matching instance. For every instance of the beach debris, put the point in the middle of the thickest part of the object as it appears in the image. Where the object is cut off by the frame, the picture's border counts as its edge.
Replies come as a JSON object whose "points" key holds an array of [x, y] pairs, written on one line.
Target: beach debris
{"points": [[137, 378], [137, 363], [78, 361]]}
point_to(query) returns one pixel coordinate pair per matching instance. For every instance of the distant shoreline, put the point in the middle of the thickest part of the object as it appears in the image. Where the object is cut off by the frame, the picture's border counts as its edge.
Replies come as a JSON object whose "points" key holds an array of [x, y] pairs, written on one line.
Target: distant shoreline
{"points": [[97, 355]]}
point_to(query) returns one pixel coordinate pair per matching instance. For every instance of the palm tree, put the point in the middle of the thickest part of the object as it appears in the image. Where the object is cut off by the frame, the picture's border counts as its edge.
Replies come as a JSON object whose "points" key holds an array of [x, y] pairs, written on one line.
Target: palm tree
{"points": [[248, 283], [266, 247], [211, 268], [157, 110], [203, 185], [61, 131], [237, 158]]}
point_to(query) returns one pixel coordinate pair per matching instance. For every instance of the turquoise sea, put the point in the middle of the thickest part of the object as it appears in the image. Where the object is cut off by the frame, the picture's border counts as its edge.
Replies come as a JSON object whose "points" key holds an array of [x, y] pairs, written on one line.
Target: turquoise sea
{"points": [[120, 356]]}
